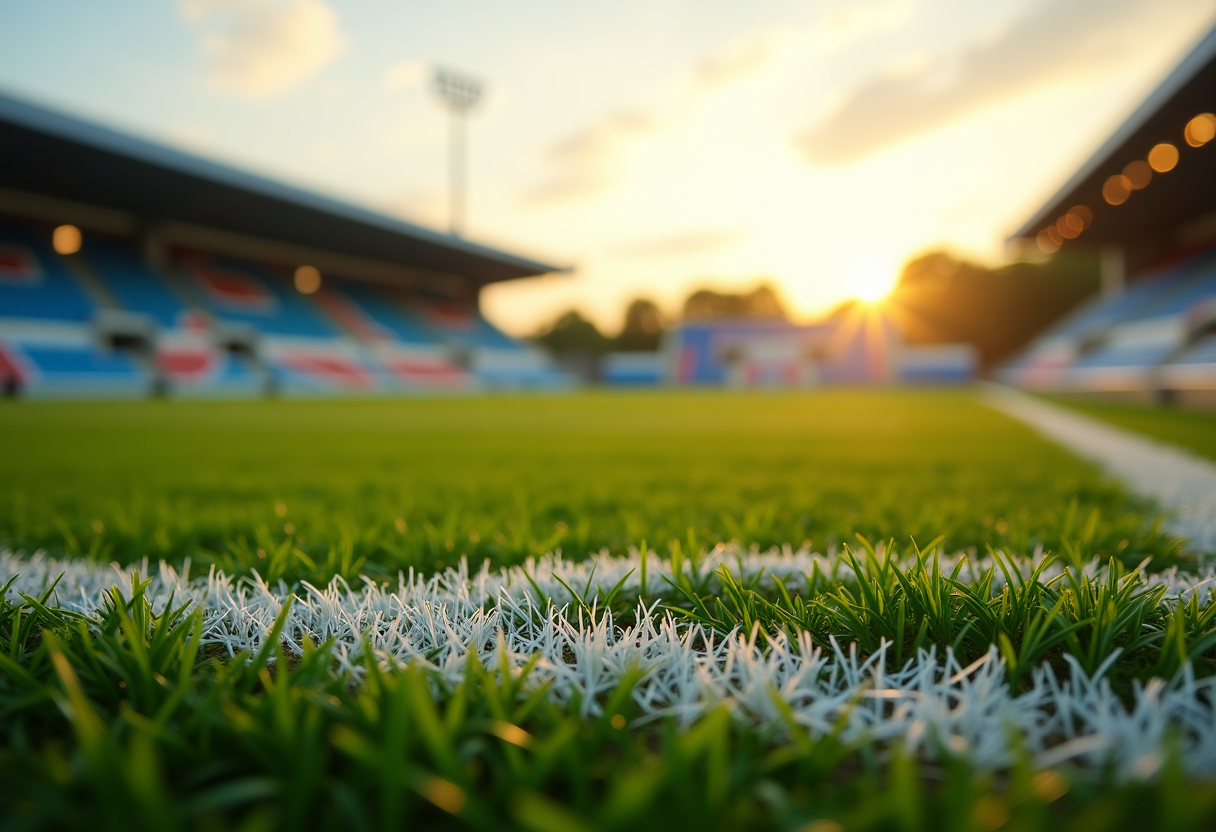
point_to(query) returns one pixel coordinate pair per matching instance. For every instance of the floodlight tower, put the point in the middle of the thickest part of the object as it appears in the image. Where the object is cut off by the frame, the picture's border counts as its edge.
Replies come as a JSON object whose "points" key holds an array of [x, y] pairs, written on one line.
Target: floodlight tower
{"points": [[460, 94]]}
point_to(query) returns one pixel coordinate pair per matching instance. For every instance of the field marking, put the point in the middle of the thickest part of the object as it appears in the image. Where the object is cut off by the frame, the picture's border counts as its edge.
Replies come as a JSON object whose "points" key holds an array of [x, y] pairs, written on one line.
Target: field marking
{"points": [[1181, 481], [931, 706]]}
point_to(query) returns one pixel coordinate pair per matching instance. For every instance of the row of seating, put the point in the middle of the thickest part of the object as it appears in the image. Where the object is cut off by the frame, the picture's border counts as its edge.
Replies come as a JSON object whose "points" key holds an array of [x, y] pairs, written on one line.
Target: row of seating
{"points": [[100, 321], [1158, 335]]}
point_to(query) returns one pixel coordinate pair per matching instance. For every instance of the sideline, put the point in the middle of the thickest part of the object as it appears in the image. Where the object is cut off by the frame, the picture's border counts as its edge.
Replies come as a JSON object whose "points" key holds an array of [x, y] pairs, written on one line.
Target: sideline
{"points": [[509, 621], [1181, 481]]}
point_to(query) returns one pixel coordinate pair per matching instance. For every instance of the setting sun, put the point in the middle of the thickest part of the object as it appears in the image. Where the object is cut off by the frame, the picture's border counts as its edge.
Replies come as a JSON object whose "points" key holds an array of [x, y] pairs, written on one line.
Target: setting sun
{"points": [[874, 288]]}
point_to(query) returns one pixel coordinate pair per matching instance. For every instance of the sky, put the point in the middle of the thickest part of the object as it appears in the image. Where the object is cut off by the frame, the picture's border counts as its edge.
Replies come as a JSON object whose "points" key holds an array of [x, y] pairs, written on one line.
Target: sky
{"points": [[655, 146]]}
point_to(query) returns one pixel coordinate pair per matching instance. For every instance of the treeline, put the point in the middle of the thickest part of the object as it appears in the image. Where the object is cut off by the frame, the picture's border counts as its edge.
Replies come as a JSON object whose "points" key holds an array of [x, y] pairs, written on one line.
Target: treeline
{"points": [[942, 300], [644, 323], [939, 299]]}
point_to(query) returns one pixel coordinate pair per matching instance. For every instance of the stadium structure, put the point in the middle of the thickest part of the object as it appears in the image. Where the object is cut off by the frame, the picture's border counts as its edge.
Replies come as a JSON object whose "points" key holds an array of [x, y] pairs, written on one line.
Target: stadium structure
{"points": [[131, 269], [1147, 201], [861, 346]]}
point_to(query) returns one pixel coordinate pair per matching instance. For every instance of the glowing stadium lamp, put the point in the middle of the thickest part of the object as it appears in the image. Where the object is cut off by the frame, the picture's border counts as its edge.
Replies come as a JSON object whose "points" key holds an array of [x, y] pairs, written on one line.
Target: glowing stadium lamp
{"points": [[1117, 189], [308, 280], [459, 94], [1163, 157], [66, 239], [1200, 130], [1138, 173]]}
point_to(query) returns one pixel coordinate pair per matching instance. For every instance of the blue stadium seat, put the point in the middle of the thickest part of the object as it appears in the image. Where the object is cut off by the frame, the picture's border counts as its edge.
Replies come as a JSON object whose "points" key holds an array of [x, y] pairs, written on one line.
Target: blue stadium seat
{"points": [[1164, 289], [1202, 352], [54, 360], [73, 365], [461, 326], [35, 283], [1138, 355], [136, 287], [381, 309], [246, 293], [1202, 284], [1104, 313]]}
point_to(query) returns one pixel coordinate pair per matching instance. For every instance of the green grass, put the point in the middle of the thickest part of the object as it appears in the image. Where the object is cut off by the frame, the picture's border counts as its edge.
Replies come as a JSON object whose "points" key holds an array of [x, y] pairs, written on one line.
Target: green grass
{"points": [[128, 722], [308, 489], [1194, 429], [126, 725]]}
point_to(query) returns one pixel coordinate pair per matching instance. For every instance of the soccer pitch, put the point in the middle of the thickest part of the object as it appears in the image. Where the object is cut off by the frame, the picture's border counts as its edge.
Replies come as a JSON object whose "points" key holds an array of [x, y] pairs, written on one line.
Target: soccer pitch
{"points": [[847, 609]]}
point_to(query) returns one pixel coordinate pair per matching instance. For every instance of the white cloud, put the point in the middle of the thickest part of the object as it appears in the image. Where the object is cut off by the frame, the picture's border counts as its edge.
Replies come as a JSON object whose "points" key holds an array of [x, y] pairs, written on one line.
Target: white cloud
{"points": [[681, 244], [262, 48], [586, 162], [1051, 42]]}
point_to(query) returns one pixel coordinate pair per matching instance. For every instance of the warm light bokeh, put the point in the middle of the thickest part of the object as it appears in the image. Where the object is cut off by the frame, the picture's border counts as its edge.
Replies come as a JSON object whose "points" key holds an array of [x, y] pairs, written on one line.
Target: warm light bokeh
{"points": [[66, 239], [307, 280], [1163, 157], [1200, 130], [1117, 189], [1138, 174]]}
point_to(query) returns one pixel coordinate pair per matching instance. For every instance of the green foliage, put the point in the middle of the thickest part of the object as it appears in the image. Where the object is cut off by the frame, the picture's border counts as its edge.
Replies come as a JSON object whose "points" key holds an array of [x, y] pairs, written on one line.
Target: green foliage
{"points": [[941, 300], [571, 333], [761, 303]]}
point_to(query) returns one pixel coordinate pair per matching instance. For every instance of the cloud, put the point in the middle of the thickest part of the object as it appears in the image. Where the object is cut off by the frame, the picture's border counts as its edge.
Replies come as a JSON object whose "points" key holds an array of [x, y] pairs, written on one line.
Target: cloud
{"points": [[262, 48], [737, 61], [1051, 41], [585, 161], [685, 243]]}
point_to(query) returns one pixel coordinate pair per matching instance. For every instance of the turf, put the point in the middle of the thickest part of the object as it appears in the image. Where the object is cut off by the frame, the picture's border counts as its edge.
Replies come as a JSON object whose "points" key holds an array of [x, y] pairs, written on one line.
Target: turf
{"points": [[1193, 429], [309, 489], [128, 708]]}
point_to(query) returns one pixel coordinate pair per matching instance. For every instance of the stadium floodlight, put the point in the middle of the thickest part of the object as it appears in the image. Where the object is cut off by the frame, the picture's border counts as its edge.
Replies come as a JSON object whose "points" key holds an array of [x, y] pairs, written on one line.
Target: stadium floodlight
{"points": [[460, 94]]}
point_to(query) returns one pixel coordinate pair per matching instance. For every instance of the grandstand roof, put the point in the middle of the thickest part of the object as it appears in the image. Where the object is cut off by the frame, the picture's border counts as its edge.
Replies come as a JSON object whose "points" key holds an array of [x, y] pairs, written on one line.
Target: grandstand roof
{"points": [[49, 154], [1173, 199]]}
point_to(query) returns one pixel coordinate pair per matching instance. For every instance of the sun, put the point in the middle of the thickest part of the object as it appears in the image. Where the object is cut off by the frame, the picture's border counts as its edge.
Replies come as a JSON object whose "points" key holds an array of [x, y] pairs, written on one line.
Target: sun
{"points": [[873, 288]]}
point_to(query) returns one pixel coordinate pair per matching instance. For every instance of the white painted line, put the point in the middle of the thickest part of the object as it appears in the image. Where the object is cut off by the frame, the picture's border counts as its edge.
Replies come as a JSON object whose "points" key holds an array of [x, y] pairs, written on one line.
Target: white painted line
{"points": [[932, 706], [1181, 481]]}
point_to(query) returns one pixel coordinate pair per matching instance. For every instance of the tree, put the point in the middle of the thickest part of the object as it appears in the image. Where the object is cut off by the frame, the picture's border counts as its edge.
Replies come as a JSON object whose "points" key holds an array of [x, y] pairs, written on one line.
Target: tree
{"points": [[571, 333], [643, 327], [943, 300], [762, 303]]}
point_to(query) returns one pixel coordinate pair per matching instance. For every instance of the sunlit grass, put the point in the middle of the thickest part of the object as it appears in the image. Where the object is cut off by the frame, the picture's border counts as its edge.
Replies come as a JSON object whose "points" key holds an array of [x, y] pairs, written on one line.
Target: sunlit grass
{"points": [[125, 716], [317, 488], [1192, 429]]}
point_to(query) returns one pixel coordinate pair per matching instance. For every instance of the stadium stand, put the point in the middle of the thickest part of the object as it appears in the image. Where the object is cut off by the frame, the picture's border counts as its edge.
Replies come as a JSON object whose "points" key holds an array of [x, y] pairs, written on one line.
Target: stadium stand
{"points": [[180, 280], [1154, 337], [133, 285], [863, 347], [35, 283]]}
